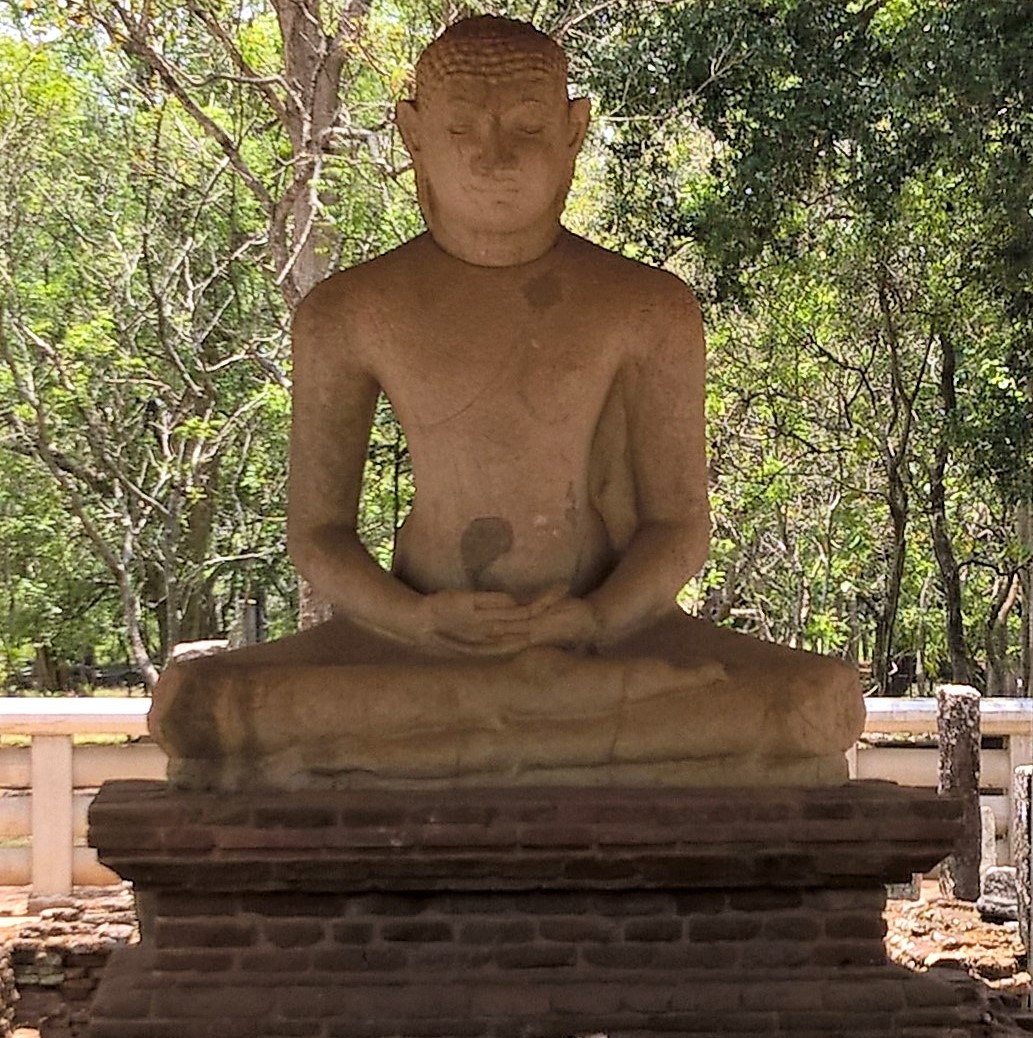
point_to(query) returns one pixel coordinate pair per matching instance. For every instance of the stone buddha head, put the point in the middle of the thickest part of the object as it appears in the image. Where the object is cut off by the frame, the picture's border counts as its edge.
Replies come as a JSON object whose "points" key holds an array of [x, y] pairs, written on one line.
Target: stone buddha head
{"points": [[493, 137]]}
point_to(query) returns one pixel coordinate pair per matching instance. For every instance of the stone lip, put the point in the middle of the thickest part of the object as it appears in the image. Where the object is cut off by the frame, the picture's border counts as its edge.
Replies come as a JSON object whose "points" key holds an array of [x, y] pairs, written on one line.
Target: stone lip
{"points": [[858, 834]]}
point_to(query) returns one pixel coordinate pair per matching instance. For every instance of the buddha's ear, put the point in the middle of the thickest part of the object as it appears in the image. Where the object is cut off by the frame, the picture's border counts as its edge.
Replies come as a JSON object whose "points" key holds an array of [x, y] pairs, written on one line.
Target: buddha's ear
{"points": [[578, 113], [407, 118]]}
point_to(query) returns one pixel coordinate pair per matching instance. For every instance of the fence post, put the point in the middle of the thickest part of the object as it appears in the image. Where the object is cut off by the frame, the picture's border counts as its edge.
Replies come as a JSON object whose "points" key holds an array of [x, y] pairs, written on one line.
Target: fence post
{"points": [[958, 729], [51, 814], [851, 761], [1021, 799]]}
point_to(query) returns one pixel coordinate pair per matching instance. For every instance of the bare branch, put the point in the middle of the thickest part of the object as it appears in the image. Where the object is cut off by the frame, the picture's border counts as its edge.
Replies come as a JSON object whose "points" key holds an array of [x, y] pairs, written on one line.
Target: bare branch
{"points": [[248, 75], [135, 42]]}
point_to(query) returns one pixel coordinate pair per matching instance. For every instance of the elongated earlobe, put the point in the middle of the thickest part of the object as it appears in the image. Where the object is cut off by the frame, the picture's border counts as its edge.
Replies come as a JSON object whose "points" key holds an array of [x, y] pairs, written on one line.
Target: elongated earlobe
{"points": [[407, 119], [578, 114]]}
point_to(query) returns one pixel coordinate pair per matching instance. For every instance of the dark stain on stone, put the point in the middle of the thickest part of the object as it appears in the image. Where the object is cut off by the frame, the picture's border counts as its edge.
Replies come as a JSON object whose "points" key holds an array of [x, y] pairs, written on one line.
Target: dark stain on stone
{"points": [[484, 540], [543, 291]]}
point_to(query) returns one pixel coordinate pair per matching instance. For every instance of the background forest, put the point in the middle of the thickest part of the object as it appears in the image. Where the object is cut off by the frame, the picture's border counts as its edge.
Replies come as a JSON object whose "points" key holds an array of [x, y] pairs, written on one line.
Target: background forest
{"points": [[847, 183]]}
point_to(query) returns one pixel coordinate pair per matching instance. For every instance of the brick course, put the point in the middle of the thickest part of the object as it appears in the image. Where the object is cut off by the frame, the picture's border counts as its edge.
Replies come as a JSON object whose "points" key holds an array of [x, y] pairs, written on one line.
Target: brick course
{"points": [[519, 912]]}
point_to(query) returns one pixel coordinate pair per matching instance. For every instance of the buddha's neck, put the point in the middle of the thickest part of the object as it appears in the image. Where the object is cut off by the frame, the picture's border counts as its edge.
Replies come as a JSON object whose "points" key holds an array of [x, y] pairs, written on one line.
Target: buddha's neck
{"points": [[484, 249]]}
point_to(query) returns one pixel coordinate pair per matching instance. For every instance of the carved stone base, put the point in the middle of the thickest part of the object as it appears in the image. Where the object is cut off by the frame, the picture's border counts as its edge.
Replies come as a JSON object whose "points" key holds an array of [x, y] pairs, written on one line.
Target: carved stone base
{"points": [[530, 912]]}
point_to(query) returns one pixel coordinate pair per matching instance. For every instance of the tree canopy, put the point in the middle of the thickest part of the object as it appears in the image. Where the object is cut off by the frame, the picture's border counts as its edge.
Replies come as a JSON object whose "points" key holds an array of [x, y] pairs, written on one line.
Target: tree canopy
{"points": [[848, 186]]}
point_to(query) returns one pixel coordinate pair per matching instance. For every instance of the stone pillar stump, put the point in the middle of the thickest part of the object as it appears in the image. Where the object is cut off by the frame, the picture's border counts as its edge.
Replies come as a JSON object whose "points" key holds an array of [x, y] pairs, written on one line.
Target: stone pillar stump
{"points": [[521, 912]]}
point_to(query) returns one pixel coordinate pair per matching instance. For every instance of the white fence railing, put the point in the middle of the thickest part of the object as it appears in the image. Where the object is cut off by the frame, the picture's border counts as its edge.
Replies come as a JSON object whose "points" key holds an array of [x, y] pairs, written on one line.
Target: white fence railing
{"points": [[46, 787]]}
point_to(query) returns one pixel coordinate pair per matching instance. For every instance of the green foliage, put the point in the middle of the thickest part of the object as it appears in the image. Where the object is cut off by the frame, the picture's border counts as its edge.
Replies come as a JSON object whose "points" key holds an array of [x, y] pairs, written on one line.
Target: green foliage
{"points": [[847, 185]]}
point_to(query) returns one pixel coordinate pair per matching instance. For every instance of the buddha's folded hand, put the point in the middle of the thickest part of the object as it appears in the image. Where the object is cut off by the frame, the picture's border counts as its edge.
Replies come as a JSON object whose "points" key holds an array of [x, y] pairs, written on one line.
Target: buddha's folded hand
{"points": [[561, 620], [481, 623]]}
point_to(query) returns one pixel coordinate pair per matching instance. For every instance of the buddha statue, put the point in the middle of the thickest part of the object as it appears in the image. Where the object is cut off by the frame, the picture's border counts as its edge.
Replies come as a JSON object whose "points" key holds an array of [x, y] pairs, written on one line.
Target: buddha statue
{"points": [[551, 393]]}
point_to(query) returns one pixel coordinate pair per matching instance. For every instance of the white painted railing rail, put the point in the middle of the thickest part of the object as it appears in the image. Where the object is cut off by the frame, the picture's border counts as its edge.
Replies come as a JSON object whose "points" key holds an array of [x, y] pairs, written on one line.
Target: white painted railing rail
{"points": [[45, 788], [51, 725]]}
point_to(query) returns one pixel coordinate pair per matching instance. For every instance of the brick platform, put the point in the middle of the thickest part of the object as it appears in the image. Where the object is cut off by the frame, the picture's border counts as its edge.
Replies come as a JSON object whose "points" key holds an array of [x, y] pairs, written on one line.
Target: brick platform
{"points": [[522, 912]]}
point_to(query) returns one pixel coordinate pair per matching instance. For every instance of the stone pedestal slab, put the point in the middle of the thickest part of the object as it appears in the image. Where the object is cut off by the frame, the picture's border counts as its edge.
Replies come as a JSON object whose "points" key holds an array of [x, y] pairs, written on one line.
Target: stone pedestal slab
{"points": [[523, 912]]}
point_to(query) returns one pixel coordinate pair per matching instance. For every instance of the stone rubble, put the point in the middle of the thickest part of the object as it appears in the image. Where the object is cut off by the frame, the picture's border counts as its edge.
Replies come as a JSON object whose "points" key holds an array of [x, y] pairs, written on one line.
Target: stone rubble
{"points": [[999, 900]]}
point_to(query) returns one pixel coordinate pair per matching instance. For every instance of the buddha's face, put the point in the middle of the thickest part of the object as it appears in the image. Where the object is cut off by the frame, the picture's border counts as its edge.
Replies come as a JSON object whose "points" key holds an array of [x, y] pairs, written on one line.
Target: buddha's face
{"points": [[494, 155]]}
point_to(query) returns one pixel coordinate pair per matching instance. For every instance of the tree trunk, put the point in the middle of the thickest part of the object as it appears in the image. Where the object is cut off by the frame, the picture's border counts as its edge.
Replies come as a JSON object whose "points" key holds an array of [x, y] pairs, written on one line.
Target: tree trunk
{"points": [[1000, 674], [887, 621], [962, 669], [313, 64], [1025, 532]]}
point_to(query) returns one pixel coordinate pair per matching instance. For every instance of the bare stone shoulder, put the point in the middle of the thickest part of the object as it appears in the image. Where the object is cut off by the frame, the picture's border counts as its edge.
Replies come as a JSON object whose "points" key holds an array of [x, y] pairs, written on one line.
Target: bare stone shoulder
{"points": [[342, 312], [639, 286]]}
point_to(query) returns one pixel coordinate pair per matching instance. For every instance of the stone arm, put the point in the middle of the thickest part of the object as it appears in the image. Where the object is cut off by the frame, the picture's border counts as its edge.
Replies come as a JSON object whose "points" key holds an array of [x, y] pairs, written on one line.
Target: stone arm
{"points": [[663, 389], [334, 396], [664, 400]]}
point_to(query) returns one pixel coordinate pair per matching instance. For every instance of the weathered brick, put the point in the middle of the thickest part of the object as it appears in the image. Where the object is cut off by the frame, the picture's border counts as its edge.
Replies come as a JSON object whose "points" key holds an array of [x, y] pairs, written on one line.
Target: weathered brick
{"points": [[827, 1024], [416, 930], [200, 906], [391, 1027], [509, 1000], [765, 954], [645, 998], [370, 818], [410, 1001], [120, 1001], [783, 996], [219, 875], [634, 904], [261, 841], [701, 902], [320, 874], [577, 928], [448, 958], [275, 962], [279, 904], [293, 933], [707, 996], [358, 958], [730, 926], [555, 902], [848, 953], [619, 956], [830, 809], [723, 956], [497, 931], [738, 1023], [584, 998], [312, 1002], [870, 994], [186, 838], [197, 933], [351, 933], [599, 870], [792, 926], [140, 1028], [764, 899], [933, 989], [480, 904], [292, 816], [658, 928], [292, 1029], [855, 925], [221, 1001], [929, 1016], [849, 899], [374, 905], [535, 956], [198, 959]]}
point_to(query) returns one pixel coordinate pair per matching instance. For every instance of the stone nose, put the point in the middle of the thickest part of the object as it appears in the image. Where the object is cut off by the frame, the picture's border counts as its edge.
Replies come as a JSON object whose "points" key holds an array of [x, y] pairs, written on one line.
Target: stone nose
{"points": [[496, 149]]}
